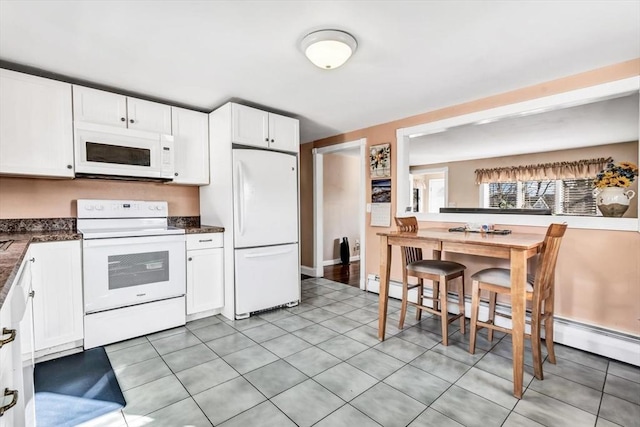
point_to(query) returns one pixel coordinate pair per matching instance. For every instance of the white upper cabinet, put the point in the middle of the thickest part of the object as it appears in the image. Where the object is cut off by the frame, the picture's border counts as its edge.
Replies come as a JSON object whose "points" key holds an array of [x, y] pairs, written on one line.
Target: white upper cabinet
{"points": [[36, 126], [258, 128], [250, 126], [150, 116], [284, 133], [191, 139], [97, 106]]}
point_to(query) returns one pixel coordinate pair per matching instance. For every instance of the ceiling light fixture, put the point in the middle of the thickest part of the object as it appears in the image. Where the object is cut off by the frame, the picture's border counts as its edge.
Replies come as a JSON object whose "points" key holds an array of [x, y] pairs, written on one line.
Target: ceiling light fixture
{"points": [[328, 49]]}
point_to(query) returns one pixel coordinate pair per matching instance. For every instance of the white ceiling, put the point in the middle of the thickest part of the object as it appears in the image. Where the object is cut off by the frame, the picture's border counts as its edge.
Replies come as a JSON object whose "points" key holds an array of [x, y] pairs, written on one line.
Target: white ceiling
{"points": [[604, 122], [412, 57]]}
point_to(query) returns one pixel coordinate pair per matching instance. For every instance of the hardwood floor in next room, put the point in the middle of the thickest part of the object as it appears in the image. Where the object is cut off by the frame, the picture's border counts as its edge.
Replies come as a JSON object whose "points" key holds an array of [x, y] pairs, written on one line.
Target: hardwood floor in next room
{"points": [[347, 274]]}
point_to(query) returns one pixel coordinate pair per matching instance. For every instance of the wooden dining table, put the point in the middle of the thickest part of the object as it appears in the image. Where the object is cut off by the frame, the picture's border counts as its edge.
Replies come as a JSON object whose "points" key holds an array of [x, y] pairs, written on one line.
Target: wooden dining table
{"points": [[516, 247]]}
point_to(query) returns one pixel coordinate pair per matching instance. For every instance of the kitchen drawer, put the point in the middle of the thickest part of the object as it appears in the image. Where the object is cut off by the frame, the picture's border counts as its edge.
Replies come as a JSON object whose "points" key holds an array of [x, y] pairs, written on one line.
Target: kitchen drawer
{"points": [[204, 241]]}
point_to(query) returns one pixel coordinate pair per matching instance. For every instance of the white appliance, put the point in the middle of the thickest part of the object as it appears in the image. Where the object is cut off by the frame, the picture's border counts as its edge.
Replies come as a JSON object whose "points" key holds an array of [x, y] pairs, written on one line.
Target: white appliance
{"points": [[122, 153], [265, 230], [134, 272]]}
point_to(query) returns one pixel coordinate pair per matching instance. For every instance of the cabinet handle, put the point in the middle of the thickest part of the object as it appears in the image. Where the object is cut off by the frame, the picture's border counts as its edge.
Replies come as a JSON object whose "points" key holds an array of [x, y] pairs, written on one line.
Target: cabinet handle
{"points": [[122, 119], [32, 294], [205, 240], [12, 336], [176, 174], [266, 139], [190, 259], [272, 140], [32, 259], [131, 121], [11, 404], [69, 167]]}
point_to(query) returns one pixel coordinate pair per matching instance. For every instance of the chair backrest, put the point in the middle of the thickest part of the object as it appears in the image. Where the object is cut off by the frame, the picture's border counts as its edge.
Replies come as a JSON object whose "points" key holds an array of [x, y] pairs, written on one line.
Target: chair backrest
{"points": [[409, 224], [545, 270]]}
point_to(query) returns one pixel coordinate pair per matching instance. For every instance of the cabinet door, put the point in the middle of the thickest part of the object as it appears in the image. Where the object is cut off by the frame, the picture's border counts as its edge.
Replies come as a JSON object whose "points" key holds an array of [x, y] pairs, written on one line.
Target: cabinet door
{"points": [[36, 132], [284, 133], [98, 106], [250, 126], [57, 282], [205, 280], [191, 146], [149, 116], [8, 363]]}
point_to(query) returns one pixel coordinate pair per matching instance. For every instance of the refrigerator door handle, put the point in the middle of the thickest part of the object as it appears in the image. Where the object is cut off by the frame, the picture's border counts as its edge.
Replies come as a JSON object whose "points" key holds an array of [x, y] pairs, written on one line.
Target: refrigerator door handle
{"points": [[240, 198], [265, 254]]}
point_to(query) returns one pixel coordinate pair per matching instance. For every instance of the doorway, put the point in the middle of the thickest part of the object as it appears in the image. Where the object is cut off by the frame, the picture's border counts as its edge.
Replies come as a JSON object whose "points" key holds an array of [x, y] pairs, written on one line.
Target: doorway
{"points": [[340, 168]]}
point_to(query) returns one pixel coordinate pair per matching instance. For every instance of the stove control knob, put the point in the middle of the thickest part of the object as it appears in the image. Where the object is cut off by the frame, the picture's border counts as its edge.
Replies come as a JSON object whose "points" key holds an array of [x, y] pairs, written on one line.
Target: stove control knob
{"points": [[99, 207], [160, 207], [88, 207], [150, 207]]}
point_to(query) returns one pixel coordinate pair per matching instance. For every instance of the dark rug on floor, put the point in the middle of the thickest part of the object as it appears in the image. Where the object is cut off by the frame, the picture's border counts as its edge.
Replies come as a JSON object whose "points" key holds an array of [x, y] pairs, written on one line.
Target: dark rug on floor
{"points": [[75, 389]]}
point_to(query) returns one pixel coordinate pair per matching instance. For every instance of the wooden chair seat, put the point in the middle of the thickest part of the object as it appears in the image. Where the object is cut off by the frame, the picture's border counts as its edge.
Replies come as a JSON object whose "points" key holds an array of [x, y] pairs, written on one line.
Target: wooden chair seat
{"points": [[440, 272], [435, 267], [540, 291], [500, 277]]}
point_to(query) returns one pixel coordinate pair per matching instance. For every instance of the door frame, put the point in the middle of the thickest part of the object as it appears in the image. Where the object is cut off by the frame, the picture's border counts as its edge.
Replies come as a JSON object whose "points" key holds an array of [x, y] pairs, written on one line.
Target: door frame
{"points": [[318, 203]]}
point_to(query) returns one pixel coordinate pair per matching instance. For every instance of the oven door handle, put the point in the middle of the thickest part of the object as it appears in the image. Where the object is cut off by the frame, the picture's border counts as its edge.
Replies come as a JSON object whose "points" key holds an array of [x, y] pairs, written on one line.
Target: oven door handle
{"points": [[122, 241]]}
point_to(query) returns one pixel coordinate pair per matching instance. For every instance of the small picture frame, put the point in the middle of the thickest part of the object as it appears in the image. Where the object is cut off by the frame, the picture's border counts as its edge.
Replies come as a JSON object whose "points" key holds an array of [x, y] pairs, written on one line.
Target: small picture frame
{"points": [[380, 160], [381, 191]]}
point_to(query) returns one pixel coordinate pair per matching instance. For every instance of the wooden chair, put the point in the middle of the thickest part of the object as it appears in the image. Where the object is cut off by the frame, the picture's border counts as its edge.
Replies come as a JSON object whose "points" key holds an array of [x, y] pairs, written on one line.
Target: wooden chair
{"points": [[439, 272], [540, 291]]}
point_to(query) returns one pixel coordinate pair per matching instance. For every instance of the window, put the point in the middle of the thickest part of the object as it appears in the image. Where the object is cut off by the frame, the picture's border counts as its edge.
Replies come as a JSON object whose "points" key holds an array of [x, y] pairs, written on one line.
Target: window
{"points": [[428, 190], [562, 196]]}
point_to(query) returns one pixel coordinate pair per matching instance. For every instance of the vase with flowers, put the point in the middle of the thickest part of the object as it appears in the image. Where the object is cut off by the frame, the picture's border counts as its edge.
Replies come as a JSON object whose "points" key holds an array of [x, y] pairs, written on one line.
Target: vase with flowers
{"points": [[611, 197]]}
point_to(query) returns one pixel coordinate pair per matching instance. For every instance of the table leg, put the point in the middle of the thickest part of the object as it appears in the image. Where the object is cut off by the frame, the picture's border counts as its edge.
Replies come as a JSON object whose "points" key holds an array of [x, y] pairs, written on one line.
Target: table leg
{"points": [[518, 306], [385, 269]]}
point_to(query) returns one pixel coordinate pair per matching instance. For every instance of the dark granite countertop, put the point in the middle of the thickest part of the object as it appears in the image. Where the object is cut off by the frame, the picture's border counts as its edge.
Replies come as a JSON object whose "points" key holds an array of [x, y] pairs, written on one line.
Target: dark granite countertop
{"points": [[204, 229], [11, 258]]}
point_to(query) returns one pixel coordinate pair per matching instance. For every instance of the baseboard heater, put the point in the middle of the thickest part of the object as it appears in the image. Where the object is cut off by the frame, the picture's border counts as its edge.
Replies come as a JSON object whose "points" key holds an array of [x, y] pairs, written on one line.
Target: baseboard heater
{"points": [[594, 339]]}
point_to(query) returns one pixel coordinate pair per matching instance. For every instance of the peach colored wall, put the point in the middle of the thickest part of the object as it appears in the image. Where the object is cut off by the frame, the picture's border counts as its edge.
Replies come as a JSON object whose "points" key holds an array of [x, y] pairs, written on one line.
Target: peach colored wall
{"points": [[51, 198], [340, 203], [464, 192], [622, 248]]}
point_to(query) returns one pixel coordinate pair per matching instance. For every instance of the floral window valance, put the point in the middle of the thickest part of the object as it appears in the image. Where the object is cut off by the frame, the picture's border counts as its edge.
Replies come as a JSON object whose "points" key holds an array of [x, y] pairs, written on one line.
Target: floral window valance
{"points": [[544, 171]]}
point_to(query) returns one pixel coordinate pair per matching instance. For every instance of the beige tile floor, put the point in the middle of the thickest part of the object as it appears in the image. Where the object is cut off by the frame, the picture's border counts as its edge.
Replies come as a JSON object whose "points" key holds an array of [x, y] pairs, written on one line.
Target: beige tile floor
{"points": [[321, 364]]}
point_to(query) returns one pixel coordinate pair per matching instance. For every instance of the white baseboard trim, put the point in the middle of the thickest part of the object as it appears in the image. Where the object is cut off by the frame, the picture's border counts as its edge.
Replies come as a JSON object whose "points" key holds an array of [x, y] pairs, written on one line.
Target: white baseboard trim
{"points": [[339, 261], [310, 271], [594, 339]]}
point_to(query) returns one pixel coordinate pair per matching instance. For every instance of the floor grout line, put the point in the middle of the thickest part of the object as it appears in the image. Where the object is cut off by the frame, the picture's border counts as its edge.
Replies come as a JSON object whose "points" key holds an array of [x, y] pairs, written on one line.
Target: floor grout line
{"points": [[368, 346]]}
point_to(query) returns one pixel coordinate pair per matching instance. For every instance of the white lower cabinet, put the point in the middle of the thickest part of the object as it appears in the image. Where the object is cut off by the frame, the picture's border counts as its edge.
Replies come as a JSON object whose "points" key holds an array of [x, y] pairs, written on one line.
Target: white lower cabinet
{"points": [[16, 354], [57, 304], [205, 268]]}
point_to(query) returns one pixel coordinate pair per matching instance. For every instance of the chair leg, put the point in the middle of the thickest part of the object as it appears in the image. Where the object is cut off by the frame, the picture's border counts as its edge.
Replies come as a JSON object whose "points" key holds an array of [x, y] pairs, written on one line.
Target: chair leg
{"points": [[492, 313], [536, 343], [419, 300], [475, 302], [548, 328], [436, 295], [461, 305], [444, 313], [403, 306]]}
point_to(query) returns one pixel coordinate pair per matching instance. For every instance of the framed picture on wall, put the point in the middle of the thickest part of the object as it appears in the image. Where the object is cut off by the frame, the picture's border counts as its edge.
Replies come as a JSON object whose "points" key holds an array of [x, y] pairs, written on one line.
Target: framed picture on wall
{"points": [[380, 161], [381, 191]]}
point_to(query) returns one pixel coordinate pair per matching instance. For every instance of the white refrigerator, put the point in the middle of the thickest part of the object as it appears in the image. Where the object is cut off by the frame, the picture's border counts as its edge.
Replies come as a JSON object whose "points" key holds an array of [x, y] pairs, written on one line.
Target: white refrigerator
{"points": [[265, 210]]}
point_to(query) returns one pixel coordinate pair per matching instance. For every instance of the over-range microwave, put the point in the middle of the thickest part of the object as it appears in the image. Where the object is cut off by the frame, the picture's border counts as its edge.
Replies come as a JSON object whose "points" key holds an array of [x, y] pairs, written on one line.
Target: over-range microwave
{"points": [[110, 152]]}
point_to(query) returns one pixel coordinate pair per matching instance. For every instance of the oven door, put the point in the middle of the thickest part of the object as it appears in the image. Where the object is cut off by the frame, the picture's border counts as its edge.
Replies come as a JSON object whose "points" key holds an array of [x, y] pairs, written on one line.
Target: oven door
{"points": [[119, 272]]}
